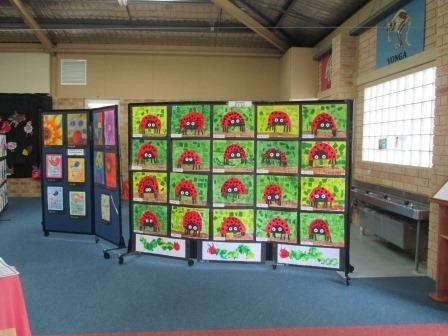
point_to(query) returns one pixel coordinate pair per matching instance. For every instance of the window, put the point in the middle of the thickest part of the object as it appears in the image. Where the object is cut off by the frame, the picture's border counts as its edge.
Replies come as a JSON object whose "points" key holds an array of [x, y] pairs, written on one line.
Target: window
{"points": [[95, 103], [398, 120]]}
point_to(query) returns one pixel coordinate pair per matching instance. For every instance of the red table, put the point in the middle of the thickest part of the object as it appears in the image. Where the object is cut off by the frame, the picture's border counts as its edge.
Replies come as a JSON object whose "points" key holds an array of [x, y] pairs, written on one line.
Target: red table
{"points": [[13, 313]]}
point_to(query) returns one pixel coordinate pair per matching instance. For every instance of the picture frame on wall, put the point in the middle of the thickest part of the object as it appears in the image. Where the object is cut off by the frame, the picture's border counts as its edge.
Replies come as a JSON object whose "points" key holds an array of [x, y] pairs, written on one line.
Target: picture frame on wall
{"points": [[76, 170]]}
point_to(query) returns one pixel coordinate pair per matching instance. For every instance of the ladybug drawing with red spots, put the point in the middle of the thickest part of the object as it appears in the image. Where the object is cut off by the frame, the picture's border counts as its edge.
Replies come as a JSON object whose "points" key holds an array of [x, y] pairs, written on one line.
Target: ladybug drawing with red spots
{"points": [[148, 185], [323, 121], [150, 122], [322, 151], [319, 227], [279, 226], [148, 219], [233, 120], [233, 187], [320, 195], [192, 122], [192, 223], [278, 118], [272, 155], [234, 151], [186, 188], [232, 225], [272, 194], [147, 153], [189, 158]]}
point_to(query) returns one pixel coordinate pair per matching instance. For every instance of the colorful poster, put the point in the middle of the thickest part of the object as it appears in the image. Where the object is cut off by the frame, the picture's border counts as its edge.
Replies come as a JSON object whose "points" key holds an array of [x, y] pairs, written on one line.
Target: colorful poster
{"points": [[190, 222], [53, 165], [149, 187], [326, 70], [111, 170], [150, 218], [276, 226], [277, 121], [276, 156], [109, 128], [322, 229], [321, 257], [76, 170], [231, 252], [77, 129], [322, 193], [98, 125], [236, 122], [77, 203], [149, 154], [231, 156], [190, 120], [233, 224], [323, 157], [324, 121], [149, 121], [98, 167], [55, 199], [233, 190], [191, 155], [105, 208], [52, 129], [189, 189], [275, 191], [169, 247]]}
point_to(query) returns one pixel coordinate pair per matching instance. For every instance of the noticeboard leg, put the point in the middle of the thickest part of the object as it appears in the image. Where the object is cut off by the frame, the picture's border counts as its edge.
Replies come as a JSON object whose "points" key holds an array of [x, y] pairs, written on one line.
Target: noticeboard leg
{"points": [[123, 255], [121, 245]]}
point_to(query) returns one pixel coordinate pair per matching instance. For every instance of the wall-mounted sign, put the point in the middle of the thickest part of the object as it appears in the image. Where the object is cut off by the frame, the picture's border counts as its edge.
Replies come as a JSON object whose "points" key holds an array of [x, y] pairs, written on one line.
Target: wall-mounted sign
{"points": [[325, 72]]}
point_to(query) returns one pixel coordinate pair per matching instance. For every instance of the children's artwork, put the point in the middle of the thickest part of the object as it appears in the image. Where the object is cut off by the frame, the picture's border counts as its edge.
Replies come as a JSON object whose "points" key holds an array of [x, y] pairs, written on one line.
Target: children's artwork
{"points": [[77, 129], [150, 218], [109, 128], [98, 167], [277, 156], [98, 125], [238, 122], [233, 224], [276, 226], [274, 191], [77, 203], [149, 154], [322, 229], [321, 257], [231, 252], [149, 187], [323, 157], [55, 199], [230, 156], [53, 165], [324, 121], [110, 169], [190, 222], [233, 190], [149, 121], [322, 193], [76, 170], [188, 189], [169, 247], [277, 121], [52, 129], [190, 120], [105, 208], [191, 155]]}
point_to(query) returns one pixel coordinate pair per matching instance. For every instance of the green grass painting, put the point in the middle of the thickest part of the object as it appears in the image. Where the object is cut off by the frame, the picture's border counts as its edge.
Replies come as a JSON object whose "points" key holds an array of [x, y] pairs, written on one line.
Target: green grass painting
{"points": [[277, 156], [233, 156], [233, 121], [315, 122], [233, 224], [322, 193], [149, 187], [278, 121], [191, 155], [149, 121], [276, 191], [149, 154], [233, 190], [276, 226], [322, 229], [150, 218], [190, 120], [188, 189], [190, 222], [323, 158]]}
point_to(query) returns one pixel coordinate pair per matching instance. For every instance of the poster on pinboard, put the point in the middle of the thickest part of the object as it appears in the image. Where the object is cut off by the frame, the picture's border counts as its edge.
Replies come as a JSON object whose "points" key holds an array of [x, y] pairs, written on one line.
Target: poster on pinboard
{"points": [[233, 156], [277, 191], [190, 120], [109, 128], [98, 125], [55, 198], [77, 129], [277, 156], [276, 226], [324, 121], [233, 190], [76, 170], [311, 256], [323, 158], [232, 252], [322, 229], [77, 203], [169, 247], [191, 155], [277, 121], [110, 169], [322, 194], [233, 224], [188, 189], [53, 165], [98, 167], [149, 154], [105, 208], [187, 222], [52, 130], [149, 121], [233, 122], [150, 218], [149, 187]]}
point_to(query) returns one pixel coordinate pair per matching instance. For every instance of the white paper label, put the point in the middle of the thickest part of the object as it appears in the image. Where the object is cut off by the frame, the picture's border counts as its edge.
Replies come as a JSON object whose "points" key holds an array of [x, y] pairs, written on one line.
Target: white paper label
{"points": [[136, 168], [236, 103], [307, 172], [218, 205], [138, 199], [178, 170], [137, 135], [174, 202], [218, 170], [306, 208], [263, 136], [176, 235], [308, 136], [219, 136], [262, 205], [75, 151], [262, 239], [262, 171], [219, 238], [176, 135]]}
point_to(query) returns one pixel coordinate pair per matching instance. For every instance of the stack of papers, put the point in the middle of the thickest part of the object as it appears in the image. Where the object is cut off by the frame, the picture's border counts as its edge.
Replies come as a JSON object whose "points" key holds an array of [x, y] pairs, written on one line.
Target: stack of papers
{"points": [[6, 270]]}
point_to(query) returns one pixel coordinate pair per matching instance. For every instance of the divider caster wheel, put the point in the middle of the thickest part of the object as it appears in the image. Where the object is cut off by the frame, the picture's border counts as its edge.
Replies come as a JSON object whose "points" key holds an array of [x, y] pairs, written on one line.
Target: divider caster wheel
{"points": [[46, 233], [347, 281], [274, 266], [97, 240], [106, 255], [120, 260], [190, 262]]}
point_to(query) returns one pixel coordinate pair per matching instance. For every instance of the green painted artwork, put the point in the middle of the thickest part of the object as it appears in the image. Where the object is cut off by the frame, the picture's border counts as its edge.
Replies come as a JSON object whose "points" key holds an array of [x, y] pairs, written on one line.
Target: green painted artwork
{"points": [[149, 154], [233, 190], [277, 156], [322, 229], [190, 120], [276, 226], [324, 121], [150, 218], [188, 189], [190, 222], [149, 121], [274, 191], [233, 224], [277, 121], [322, 193], [233, 156], [191, 155], [149, 187], [233, 121], [323, 157]]}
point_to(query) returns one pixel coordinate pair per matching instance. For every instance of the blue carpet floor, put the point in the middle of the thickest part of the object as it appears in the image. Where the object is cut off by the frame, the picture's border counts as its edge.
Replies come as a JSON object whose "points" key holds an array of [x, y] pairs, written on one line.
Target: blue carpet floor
{"points": [[70, 288]]}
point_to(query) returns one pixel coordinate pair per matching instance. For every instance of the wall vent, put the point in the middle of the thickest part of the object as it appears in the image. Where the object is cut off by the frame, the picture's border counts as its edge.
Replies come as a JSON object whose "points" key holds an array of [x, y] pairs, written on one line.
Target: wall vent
{"points": [[73, 72]]}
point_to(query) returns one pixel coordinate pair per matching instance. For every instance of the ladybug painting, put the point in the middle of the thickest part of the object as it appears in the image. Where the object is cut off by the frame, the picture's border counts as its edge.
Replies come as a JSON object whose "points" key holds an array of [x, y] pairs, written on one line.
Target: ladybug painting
{"points": [[234, 151], [323, 121], [193, 122], [272, 194], [279, 226], [189, 158], [233, 187], [278, 118], [148, 219], [186, 188], [272, 155], [233, 120], [147, 153], [232, 225], [150, 122], [322, 151], [192, 223], [148, 185], [319, 227], [320, 195]]}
